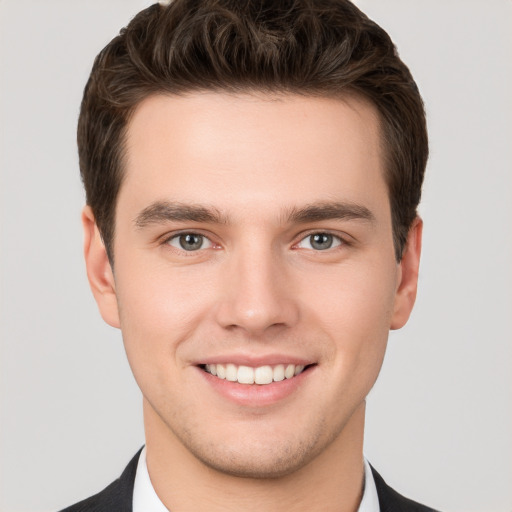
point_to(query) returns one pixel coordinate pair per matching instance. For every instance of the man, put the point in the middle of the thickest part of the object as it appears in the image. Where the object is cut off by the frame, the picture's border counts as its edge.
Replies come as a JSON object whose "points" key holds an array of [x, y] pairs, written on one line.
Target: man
{"points": [[252, 171]]}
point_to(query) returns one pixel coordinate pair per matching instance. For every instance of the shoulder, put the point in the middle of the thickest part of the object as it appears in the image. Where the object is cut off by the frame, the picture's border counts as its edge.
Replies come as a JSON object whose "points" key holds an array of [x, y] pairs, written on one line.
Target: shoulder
{"points": [[116, 497], [392, 501], [108, 499]]}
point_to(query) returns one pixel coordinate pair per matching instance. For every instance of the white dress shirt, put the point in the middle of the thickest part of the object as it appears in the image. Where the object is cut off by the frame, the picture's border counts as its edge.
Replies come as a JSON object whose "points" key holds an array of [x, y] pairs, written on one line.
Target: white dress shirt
{"points": [[146, 500]]}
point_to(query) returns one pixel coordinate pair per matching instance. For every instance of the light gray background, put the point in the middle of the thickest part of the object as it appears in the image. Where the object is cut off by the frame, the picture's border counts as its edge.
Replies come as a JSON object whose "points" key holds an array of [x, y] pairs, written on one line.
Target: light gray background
{"points": [[440, 417]]}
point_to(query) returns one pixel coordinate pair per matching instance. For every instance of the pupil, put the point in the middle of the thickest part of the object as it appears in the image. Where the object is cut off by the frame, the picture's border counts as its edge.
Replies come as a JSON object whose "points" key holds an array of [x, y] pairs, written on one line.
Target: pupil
{"points": [[191, 242], [321, 241]]}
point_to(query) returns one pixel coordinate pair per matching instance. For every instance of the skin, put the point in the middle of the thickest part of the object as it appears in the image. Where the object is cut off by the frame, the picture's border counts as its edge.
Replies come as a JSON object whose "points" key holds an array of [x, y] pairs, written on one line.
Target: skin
{"points": [[256, 288]]}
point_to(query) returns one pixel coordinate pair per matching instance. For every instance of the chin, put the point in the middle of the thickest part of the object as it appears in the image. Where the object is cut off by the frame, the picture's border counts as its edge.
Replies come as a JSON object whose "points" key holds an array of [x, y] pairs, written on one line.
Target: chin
{"points": [[257, 466], [264, 456]]}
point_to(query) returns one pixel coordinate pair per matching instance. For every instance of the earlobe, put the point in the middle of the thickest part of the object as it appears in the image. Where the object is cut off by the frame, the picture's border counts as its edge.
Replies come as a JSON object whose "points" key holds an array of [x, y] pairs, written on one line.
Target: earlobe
{"points": [[408, 280], [99, 270]]}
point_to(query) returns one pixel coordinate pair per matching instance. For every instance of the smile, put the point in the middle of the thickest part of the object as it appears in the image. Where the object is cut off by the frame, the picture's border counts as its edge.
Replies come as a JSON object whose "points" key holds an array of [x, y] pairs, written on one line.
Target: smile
{"points": [[247, 375]]}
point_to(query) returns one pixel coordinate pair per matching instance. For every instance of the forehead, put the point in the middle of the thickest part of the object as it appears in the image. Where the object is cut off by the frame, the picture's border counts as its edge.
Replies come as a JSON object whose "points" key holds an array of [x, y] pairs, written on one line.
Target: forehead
{"points": [[227, 149]]}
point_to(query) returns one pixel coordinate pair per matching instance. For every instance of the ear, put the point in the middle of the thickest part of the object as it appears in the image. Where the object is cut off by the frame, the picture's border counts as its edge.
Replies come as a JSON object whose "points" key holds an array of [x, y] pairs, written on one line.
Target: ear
{"points": [[99, 271], [408, 276]]}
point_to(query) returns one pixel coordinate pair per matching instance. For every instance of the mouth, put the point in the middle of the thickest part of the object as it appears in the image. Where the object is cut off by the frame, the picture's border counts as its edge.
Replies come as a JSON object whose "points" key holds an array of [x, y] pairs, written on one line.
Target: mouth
{"points": [[261, 375]]}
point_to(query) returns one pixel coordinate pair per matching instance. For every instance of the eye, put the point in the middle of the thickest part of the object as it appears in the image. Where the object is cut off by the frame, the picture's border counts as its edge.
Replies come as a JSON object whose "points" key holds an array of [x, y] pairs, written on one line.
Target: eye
{"points": [[189, 242], [320, 241]]}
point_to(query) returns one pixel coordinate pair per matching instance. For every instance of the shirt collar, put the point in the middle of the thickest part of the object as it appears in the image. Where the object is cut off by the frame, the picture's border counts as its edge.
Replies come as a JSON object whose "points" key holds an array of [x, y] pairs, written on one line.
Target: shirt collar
{"points": [[370, 501], [145, 498]]}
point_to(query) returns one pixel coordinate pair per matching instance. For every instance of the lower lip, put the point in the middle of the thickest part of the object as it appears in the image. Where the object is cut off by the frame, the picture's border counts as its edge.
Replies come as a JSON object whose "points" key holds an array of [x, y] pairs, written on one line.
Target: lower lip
{"points": [[256, 395]]}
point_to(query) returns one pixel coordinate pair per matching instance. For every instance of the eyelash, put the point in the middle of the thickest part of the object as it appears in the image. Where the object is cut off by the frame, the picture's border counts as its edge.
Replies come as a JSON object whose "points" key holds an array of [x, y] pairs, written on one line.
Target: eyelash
{"points": [[176, 236], [337, 239]]}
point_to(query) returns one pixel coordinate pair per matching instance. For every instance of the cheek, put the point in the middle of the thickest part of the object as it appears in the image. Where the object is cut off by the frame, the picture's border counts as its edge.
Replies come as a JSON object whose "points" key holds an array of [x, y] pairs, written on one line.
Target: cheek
{"points": [[159, 308], [354, 309], [357, 298]]}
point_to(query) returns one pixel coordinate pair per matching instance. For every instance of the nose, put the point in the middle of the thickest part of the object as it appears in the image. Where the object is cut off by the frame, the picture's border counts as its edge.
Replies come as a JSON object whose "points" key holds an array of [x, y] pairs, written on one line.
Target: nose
{"points": [[258, 295]]}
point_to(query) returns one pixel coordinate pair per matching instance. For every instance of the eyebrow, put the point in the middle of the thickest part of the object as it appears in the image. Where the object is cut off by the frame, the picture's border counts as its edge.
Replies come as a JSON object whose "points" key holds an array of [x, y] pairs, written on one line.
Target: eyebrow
{"points": [[165, 211], [330, 210]]}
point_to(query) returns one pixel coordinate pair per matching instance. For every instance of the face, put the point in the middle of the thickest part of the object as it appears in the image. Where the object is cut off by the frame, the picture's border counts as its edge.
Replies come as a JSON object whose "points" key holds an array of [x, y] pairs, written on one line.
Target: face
{"points": [[255, 281]]}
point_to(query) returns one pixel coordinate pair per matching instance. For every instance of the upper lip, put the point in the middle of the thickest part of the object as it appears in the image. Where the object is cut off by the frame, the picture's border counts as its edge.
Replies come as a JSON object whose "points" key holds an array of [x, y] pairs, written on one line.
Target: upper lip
{"points": [[255, 361]]}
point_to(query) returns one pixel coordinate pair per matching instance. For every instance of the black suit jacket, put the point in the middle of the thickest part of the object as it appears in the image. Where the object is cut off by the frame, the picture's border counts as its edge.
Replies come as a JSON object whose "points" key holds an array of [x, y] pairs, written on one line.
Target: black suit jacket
{"points": [[117, 497]]}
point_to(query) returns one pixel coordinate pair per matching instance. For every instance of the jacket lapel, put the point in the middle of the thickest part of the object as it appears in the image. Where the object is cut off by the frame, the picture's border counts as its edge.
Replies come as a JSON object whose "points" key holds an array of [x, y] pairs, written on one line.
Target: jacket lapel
{"points": [[391, 501], [117, 497]]}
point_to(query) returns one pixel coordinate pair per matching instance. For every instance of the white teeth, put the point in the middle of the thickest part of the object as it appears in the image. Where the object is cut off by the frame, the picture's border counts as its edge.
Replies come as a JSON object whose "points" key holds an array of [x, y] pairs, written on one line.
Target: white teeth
{"points": [[245, 375], [260, 375], [290, 371], [221, 371], [263, 375], [231, 372], [298, 369], [211, 368], [279, 372]]}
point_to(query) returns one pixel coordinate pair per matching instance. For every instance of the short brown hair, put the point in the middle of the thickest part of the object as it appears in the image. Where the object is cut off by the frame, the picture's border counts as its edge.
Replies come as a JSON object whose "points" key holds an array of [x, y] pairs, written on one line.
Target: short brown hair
{"points": [[309, 47]]}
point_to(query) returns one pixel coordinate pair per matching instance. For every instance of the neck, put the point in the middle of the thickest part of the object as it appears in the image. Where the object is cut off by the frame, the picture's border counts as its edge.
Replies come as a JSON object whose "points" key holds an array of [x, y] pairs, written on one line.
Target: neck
{"points": [[332, 481]]}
